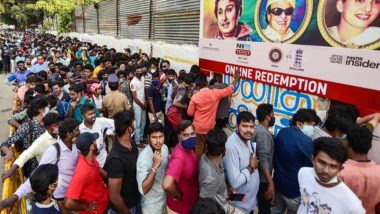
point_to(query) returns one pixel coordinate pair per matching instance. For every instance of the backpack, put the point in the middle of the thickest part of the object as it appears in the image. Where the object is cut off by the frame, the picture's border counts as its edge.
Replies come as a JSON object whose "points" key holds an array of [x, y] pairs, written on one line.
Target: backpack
{"points": [[174, 116]]}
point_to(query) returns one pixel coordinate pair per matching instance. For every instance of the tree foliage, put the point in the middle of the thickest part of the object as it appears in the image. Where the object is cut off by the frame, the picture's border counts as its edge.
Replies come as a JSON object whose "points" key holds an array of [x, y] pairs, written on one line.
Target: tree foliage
{"points": [[22, 12]]}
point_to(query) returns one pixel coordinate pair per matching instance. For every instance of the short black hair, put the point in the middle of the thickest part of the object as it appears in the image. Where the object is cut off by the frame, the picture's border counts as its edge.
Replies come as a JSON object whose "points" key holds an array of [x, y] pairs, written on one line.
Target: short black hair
{"points": [[201, 81], [77, 88], [31, 79], [245, 116], [216, 139], [88, 67], [123, 120], [156, 127], [188, 78], [113, 86], [359, 139], [87, 107], [338, 119], [35, 105], [43, 74], [50, 119], [332, 148], [171, 72], [304, 115], [42, 177], [40, 88], [29, 92], [263, 110], [52, 100], [184, 125], [67, 126]]}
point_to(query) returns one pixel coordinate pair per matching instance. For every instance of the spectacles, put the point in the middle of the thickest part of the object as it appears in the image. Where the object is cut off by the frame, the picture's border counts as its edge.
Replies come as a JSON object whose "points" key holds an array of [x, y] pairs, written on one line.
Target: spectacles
{"points": [[278, 11]]}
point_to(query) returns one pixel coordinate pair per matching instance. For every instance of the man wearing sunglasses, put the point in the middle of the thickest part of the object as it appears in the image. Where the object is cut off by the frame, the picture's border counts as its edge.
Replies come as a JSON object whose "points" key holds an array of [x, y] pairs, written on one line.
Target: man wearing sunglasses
{"points": [[279, 15]]}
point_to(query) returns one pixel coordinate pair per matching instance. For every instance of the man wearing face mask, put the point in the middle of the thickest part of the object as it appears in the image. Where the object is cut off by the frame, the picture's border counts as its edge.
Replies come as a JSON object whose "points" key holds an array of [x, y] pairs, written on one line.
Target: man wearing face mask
{"points": [[293, 149], [265, 150], [154, 99], [181, 180], [65, 154], [27, 133], [87, 191], [38, 147], [241, 164], [41, 65], [320, 189]]}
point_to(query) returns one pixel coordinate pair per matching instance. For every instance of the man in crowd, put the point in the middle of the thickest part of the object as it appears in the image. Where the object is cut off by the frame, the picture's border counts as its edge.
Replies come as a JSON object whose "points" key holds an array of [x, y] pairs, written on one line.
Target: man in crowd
{"points": [[41, 65], [155, 100], [20, 75], [151, 166], [121, 167], [241, 164], [203, 107], [102, 126], [211, 171], [139, 104], [87, 191], [360, 174], [265, 149], [76, 103], [38, 147], [30, 83], [114, 101], [320, 189], [181, 179], [293, 149]]}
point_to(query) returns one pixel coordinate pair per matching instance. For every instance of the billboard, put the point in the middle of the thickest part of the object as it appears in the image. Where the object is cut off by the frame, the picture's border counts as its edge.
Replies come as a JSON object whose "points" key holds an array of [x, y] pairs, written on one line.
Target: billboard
{"points": [[326, 48]]}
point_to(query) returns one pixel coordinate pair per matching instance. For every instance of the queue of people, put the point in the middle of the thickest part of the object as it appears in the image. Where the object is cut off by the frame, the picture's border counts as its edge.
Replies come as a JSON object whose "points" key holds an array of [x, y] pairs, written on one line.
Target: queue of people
{"points": [[101, 131]]}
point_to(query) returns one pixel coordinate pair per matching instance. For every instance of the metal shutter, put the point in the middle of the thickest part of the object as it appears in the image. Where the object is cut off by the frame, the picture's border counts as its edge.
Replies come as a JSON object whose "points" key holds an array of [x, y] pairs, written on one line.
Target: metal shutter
{"points": [[176, 20], [134, 18], [107, 17], [91, 22], [78, 19]]}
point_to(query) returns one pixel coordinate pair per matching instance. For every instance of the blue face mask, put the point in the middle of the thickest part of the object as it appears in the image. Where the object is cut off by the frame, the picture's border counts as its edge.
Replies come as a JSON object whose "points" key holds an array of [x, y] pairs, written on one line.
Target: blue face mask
{"points": [[189, 143], [272, 121], [308, 130]]}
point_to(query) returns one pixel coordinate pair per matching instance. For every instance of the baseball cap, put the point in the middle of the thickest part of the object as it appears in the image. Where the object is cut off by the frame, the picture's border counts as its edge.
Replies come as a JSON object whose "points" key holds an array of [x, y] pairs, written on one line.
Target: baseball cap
{"points": [[85, 139], [113, 78], [70, 74]]}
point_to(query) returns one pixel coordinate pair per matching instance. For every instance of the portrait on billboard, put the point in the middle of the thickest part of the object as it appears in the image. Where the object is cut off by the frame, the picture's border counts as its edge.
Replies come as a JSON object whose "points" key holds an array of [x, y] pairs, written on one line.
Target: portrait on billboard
{"points": [[350, 23], [282, 21], [225, 21]]}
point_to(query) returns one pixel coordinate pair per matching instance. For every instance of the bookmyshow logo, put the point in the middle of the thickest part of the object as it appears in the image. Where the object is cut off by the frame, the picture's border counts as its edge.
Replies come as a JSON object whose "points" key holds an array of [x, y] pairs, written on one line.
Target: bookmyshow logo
{"points": [[243, 49]]}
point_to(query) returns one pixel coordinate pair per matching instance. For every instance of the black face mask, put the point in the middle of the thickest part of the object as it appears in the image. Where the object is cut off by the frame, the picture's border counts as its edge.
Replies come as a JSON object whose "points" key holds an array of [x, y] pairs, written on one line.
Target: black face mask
{"points": [[139, 75]]}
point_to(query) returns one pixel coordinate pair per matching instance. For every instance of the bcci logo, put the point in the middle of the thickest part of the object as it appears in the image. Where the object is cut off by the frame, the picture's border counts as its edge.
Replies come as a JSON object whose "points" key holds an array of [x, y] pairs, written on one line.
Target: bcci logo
{"points": [[275, 55]]}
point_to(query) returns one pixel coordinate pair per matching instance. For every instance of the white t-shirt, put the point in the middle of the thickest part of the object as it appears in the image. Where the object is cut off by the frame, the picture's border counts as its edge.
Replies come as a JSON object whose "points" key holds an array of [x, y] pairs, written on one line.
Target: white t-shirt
{"points": [[316, 198], [138, 86], [100, 125]]}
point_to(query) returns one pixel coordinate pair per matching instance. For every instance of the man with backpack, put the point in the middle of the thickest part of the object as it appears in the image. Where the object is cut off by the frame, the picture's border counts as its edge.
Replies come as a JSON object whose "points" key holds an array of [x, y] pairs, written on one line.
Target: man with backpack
{"points": [[65, 154]]}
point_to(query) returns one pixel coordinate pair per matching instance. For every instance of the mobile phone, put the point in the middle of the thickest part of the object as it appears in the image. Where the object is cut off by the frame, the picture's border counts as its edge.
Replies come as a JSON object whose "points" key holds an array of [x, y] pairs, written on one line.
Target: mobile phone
{"points": [[237, 197]]}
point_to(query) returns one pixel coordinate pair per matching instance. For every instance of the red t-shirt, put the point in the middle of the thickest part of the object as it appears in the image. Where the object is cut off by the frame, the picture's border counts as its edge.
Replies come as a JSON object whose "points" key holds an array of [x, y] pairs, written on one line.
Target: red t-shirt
{"points": [[183, 167], [87, 185]]}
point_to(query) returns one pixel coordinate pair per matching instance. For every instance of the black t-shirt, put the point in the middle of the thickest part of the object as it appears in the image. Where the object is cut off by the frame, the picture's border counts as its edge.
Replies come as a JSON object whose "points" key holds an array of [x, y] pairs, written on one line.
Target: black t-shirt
{"points": [[121, 163]]}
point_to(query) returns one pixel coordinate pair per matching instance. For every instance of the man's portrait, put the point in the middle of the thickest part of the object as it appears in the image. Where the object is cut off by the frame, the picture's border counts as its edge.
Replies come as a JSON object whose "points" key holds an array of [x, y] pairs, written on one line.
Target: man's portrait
{"points": [[282, 21]]}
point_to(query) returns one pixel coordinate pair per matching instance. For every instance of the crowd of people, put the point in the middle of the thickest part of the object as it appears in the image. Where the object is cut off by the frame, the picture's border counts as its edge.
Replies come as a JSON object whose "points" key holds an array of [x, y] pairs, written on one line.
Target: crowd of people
{"points": [[100, 131]]}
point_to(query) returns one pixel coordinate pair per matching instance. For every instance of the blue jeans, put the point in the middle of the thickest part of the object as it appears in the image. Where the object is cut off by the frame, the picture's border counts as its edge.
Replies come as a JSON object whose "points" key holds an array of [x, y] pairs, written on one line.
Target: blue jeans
{"points": [[134, 210], [140, 120]]}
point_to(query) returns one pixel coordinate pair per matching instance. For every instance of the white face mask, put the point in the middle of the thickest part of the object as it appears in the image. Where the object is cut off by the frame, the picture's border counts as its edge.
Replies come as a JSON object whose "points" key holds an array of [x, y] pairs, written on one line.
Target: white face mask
{"points": [[307, 130]]}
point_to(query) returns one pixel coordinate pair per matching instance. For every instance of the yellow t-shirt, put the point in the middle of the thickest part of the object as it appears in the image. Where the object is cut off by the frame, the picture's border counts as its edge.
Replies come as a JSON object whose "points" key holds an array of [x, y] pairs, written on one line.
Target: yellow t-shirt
{"points": [[96, 71]]}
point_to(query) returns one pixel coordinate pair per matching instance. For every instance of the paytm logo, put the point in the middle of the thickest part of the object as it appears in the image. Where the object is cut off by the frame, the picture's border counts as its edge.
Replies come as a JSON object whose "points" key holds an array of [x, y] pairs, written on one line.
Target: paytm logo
{"points": [[243, 49]]}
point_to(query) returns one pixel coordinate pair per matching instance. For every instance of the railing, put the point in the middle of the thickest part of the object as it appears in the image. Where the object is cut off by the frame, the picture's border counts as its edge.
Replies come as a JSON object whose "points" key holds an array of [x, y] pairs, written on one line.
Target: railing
{"points": [[10, 185]]}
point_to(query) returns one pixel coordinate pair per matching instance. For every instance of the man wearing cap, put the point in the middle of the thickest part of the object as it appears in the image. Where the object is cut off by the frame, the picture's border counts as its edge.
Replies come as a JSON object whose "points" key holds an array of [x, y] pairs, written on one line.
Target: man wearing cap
{"points": [[87, 191], [279, 14], [114, 101]]}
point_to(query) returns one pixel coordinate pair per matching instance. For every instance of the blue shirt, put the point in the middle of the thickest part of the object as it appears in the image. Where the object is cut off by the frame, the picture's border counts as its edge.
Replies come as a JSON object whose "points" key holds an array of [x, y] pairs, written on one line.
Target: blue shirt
{"points": [[77, 115], [19, 77], [236, 162], [292, 150], [37, 67]]}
